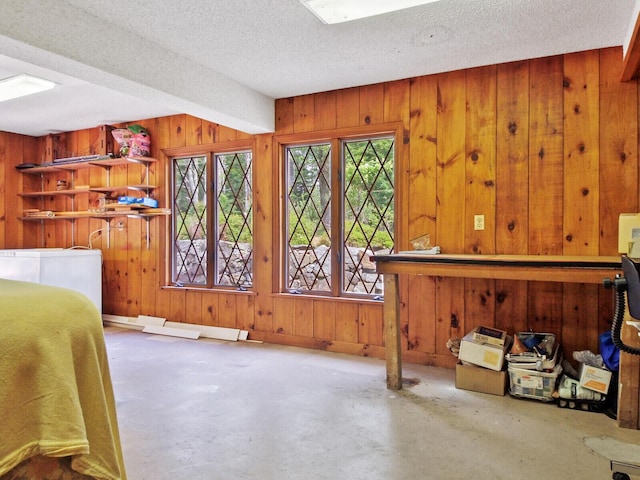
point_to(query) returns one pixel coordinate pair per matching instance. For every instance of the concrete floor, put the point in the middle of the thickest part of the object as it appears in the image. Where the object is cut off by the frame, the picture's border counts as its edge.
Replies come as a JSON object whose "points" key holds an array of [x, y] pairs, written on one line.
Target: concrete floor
{"points": [[206, 409]]}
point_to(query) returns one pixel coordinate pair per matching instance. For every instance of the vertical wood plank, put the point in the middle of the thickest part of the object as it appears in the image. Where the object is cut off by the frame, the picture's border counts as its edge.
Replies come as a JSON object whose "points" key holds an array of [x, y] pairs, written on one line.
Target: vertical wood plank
{"points": [[479, 303], [14, 150], [512, 159], [263, 317], [449, 312], [546, 185], [133, 239], [581, 154], [347, 107], [283, 315], [511, 306], [480, 191], [245, 305], [303, 113], [370, 327], [421, 329], [618, 146], [210, 309], [226, 134], [177, 131], [545, 309], [451, 161], [371, 104], [193, 306], [325, 110], [546, 156], [178, 305], [118, 246], [581, 194], [324, 314], [618, 161], [227, 311], [158, 265], [284, 116], [143, 287], [209, 132], [265, 182], [303, 318], [397, 108], [347, 320], [5, 163], [193, 127], [579, 319], [421, 212], [480, 162], [396, 101], [451, 128]]}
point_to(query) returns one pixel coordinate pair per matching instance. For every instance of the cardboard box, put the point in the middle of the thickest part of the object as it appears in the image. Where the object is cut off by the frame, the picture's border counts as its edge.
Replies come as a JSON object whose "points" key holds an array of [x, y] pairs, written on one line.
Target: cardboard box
{"points": [[483, 354], [628, 230], [491, 335], [594, 378], [483, 380]]}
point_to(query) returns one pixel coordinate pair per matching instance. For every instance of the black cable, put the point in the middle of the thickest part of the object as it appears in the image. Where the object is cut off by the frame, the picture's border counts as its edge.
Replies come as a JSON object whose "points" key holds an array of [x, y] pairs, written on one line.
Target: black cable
{"points": [[616, 325]]}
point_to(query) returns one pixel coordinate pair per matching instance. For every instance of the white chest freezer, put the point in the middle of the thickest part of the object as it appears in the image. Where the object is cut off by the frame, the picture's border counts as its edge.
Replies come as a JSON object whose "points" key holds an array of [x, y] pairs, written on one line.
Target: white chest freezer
{"points": [[76, 269]]}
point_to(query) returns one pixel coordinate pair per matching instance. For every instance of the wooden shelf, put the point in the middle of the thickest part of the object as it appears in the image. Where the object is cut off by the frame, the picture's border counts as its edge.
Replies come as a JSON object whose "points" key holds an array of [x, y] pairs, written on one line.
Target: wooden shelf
{"points": [[137, 213], [106, 162], [50, 193], [137, 188]]}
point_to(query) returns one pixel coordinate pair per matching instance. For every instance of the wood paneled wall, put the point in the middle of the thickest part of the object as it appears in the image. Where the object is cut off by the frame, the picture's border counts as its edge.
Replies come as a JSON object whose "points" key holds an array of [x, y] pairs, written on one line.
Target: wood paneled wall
{"points": [[14, 150], [545, 149]]}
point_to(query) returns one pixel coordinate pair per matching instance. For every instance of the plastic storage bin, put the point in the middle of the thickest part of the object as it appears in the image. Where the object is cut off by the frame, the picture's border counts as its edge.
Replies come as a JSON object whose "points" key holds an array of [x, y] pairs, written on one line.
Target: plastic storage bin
{"points": [[533, 384], [544, 352], [533, 362]]}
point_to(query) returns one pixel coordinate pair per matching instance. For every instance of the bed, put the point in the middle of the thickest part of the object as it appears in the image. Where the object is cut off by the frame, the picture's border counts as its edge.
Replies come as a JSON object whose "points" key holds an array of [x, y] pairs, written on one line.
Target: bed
{"points": [[57, 409]]}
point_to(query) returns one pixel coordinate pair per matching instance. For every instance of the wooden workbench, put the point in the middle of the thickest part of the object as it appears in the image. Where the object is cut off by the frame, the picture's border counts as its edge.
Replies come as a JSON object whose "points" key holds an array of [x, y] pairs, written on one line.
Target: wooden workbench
{"points": [[546, 268]]}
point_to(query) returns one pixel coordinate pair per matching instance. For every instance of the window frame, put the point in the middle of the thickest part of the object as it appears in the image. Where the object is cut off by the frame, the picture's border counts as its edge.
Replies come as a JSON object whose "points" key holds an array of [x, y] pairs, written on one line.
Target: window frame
{"points": [[210, 151], [335, 138]]}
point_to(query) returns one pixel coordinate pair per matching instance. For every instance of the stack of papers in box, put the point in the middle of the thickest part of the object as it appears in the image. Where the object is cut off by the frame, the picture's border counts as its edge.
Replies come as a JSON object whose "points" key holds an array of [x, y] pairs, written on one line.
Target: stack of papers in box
{"points": [[487, 355]]}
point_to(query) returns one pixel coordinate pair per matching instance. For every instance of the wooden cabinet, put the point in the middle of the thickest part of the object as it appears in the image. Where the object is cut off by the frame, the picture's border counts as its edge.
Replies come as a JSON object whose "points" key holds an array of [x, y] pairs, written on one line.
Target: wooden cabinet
{"points": [[59, 179]]}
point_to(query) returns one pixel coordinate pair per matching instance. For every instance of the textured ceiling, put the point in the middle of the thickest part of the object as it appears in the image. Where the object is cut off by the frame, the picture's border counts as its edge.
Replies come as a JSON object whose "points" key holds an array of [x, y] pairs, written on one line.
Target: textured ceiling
{"points": [[226, 61]]}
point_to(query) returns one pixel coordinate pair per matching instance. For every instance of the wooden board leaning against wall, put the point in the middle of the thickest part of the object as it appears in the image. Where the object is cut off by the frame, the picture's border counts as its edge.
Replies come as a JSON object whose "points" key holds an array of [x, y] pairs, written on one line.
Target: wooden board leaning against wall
{"points": [[545, 149]]}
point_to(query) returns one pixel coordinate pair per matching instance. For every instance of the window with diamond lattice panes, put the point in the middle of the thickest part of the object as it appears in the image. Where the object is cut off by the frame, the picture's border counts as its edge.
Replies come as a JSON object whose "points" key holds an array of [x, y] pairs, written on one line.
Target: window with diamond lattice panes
{"points": [[234, 212], [309, 217], [368, 211], [341, 228], [213, 230], [190, 240]]}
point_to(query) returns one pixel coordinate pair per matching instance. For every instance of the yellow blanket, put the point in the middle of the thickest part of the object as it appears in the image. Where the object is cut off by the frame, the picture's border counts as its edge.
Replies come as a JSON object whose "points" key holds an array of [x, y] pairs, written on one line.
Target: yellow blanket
{"points": [[56, 397]]}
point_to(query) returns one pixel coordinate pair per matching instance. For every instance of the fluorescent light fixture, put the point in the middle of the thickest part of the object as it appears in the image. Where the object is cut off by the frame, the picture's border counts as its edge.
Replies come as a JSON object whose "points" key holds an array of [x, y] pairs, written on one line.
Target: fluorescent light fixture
{"points": [[22, 85], [338, 11]]}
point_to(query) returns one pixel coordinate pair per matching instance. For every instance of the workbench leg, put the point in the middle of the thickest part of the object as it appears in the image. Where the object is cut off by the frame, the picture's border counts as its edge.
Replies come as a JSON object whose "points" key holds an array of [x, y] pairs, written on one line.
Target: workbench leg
{"points": [[392, 332], [629, 378]]}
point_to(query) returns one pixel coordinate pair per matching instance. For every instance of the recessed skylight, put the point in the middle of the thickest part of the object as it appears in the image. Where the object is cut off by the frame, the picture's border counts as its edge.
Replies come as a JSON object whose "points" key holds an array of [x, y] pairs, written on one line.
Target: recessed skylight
{"points": [[338, 11], [22, 85]]}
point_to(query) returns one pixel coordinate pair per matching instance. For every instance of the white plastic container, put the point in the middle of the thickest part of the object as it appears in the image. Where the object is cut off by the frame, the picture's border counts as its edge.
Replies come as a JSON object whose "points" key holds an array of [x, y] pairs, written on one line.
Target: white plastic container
{"points": [[533, 384], [75, 269]]}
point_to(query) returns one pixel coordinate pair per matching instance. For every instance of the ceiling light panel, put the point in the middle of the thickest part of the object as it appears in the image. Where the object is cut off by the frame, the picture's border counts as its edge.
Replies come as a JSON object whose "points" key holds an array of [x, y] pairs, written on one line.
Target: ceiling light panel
{"points": [[22, 85], [338, 11]]}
